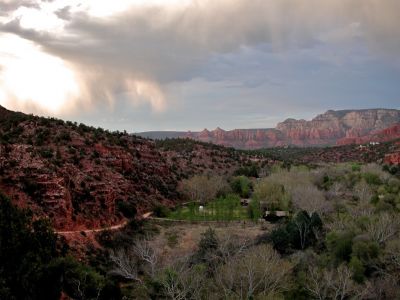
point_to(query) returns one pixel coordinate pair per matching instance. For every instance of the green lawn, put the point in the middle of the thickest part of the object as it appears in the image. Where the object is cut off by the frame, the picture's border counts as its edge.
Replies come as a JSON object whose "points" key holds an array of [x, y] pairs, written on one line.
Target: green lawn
{"points": [[222, 209]]}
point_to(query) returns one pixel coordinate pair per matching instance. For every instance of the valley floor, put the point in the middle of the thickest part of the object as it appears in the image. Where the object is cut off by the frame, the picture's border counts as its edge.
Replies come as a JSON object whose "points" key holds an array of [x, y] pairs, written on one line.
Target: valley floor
{"points": [[176, 240]]}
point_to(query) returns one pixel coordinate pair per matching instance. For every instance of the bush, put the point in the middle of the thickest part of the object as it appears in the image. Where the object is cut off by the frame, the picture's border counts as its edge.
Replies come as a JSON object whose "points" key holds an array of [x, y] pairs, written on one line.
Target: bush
{"points": [[161, 211], [298, 233], [372, 178], [248, 171], [26, 249], [127, 209], [241, 185], [340, 246]]}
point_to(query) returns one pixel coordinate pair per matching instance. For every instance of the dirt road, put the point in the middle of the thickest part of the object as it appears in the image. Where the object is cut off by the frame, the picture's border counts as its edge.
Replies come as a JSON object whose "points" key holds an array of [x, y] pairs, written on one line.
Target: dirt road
{"points": [[112, 228]]}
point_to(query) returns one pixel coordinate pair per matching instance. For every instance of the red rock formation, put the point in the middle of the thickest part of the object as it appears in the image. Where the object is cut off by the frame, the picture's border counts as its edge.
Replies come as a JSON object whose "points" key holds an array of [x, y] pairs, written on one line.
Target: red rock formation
{"points": [[388, 134], [76, 175], [392, 158], [330, 128]]}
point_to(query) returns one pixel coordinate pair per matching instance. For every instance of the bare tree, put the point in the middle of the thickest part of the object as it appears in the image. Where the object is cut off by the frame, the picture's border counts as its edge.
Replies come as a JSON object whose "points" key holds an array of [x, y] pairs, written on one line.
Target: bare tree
{"points": [[333, 284], [364, 194], [384, 227], [80, 290], [147, 254], [363, 191], [183, 281], [317, 284], [340, 223], [139, 257], [259, 271], [336, 191], [125, 264], [310, 198], [202, 188], [303, 227]]}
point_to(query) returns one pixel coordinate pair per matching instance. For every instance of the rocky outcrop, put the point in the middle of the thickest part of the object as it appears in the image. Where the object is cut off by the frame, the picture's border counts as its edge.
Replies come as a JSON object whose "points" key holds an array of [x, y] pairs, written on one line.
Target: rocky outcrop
{"points": [[78, 176], [385, 135], [330, 128]]}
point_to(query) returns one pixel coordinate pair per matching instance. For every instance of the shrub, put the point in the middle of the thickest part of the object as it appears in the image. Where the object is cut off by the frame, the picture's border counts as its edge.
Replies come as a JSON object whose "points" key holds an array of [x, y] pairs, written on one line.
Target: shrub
{"points": [[161, 211], [127, 209], [241, 185], [298, 233], [340, 246], [372, 179]]}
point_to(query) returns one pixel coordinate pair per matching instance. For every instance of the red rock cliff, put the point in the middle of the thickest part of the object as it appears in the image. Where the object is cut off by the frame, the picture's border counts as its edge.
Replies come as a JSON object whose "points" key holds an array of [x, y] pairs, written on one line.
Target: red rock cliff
{"points": [[330, 128]]}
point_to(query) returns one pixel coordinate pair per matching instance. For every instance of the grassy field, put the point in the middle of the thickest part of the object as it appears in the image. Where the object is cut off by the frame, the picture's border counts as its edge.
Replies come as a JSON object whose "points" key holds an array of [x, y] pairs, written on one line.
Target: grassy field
{"points": [[222, 209]]}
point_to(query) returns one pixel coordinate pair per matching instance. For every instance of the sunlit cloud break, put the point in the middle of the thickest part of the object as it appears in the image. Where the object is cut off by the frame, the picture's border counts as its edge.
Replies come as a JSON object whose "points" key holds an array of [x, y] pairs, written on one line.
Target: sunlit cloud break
{"points": [[32, 79], [68, 55]]}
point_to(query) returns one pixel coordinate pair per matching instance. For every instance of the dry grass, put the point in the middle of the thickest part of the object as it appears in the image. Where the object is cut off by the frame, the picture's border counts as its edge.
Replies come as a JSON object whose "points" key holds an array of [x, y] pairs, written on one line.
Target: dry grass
{"points": [[180, 240]]}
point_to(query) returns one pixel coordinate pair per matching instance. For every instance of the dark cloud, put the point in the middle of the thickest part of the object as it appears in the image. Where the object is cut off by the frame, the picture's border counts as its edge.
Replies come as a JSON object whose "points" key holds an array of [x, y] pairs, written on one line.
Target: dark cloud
{"points": [[143, 50]]}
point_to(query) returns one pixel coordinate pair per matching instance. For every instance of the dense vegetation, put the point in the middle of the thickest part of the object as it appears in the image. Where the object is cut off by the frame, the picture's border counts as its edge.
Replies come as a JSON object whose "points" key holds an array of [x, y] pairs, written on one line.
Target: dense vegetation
{"points": [[340, 241], [35, 265]]}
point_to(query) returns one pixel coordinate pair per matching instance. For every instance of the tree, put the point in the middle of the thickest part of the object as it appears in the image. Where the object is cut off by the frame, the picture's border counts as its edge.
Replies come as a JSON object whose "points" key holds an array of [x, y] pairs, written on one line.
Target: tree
{"points": [[202, 188], [364, 194], [332, 284], [299, 233], [254, 210], [125, 264], [256, 272], [130, 262], [207, 247], [384, 227], [307, 228], [310, 199], [273, 194], [183, 280], [26, 249], [241, 185]]}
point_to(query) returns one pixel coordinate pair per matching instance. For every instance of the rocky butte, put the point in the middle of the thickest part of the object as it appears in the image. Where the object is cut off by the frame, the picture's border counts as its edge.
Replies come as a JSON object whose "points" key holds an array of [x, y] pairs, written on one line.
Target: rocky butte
{"points": [[331, 128]]}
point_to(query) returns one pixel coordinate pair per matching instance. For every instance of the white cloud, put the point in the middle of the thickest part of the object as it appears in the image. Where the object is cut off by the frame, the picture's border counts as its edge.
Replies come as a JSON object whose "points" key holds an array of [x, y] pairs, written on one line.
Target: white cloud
{"points": [[136, 47]]}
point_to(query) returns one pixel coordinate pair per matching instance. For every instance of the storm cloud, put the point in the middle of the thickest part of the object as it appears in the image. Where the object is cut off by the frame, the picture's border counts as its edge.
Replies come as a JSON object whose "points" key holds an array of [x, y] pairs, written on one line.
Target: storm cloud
{"points": [[154, 53]]}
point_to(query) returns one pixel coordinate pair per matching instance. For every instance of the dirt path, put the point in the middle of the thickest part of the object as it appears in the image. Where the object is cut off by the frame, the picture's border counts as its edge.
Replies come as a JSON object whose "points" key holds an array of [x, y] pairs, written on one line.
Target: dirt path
{"points": [[112, 228]]}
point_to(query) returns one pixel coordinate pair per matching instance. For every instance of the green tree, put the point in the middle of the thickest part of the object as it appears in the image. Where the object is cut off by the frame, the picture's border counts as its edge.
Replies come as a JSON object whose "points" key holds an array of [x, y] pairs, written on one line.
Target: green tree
{"points": [[241, 185]]}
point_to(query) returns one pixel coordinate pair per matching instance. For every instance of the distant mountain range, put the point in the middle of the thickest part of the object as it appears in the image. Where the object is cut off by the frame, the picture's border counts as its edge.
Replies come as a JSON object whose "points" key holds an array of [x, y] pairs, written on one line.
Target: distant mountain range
{"points": [[330, 128]]}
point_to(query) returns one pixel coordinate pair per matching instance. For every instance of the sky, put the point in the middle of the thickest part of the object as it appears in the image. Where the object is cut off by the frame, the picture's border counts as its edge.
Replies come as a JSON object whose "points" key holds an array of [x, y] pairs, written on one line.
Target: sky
{"points": [[141, 65]]}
